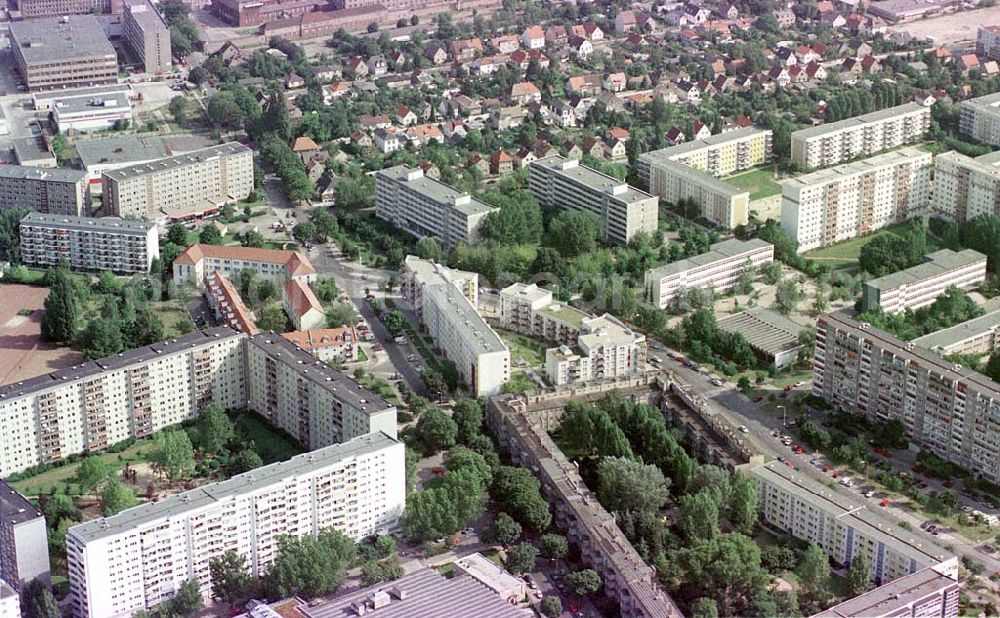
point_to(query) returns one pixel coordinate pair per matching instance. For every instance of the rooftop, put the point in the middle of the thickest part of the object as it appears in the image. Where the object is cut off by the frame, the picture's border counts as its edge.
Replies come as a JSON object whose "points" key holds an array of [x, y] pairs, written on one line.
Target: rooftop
{"points": [[960, 332], [526, 291], [465, 319], [77, 104], [889, 599], [938, 262], [765, 330], [41, 173], [490, 574], [724, 250], [89, 224], [32, 149], [857, 121], [694, 145], [130, 519], [15, 508], [702, 178], [429, 272], [45, 98], [171, 163], [126, 149], [295, 263], [230, 303], [987, 102], [322, 338], [607, 330], [435, 190], [908, 154], [148, 18], [54, 39], [574, 171], [301, 298]]}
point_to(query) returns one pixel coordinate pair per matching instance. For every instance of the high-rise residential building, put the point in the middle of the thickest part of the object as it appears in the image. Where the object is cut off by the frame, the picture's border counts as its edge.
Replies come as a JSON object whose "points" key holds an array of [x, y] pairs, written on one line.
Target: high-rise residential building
{"points": [[979, 118], [720, 202], [199, 261], [977, 336], [193, 184], [920, 285], [10, 601], [624, 211], [58, 52], [418, 274], [138, 558], [102, 154], [147, 35], [836, 142], [988, 42], [853, 199], [56, 191], [123, 246], [944, 407], [719, 269], [719, 155], [929, 593], [423, 206], [531, 310], [966, 187], [605, 349], [24, 547]]}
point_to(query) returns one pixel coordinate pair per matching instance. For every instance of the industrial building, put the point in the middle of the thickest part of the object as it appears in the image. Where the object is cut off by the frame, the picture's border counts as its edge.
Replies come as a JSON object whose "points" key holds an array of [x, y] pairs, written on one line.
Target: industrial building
{"points": [[966, 187], [771, 335], [53, 191], [605, 349], [24, 552], [59, 52], [147, 35], [920, 285], [88, 243]]}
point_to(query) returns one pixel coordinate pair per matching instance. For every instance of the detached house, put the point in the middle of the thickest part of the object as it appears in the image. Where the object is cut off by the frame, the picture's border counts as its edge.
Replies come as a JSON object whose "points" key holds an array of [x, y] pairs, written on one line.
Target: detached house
{"points": [[501, 163], [436, 54], [466, 49], [533, 37], [556, 36], [405, 116], [581, 47], [616, 82], [625, 22], [524, 93], [507, 44], [388, 141], [583, 85], [563, 113]]}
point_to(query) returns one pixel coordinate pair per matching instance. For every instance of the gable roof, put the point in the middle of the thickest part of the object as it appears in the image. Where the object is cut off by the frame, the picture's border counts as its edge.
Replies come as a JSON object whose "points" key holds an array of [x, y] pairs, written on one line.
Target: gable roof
{"points": [[301, 298]]}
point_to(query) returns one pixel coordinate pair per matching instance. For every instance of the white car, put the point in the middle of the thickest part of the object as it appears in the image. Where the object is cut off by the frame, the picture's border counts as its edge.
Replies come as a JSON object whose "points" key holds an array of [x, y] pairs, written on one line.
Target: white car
{"points": [[716, 382], [743, 428]]}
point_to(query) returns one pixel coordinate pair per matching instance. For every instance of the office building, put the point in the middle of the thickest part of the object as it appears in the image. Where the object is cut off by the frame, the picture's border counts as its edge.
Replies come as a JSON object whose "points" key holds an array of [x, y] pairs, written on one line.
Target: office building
{"points": [[303, 308], [53, 191], [975, 337], [227, 305], [624, 211], [854, 199], [719, 269], [965, 187], [190, 185], [59, 8], [720, 202], [147, 35], [944, 407], [88, 243], [58, 52], [932, 592], [605, 349], [844, 528], [920, 285], [104, 154], [836, 142], [91, 113], [328, 344], [198, 261], [771, 335], [719, 155], [531, 310], [24, 547], [979, 119], [137, 559], [10, 601], [423, 206]]}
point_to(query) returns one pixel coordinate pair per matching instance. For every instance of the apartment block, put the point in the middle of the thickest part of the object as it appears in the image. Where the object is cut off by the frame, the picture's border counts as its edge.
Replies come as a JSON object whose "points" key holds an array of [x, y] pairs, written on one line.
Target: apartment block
{"points": [[844, 528], [979, 119], [605, 349], [531, 310], [966, 187], [90, 244], [10, 601], [24, 547], [55, 191], [227, 305], [854, 199], [189, 185], [624, 211], [147, 35], [720, 202], [138, 558], [718, 155], [988, 42], [417, 274], [976, 337], [719, 269], [945, 408], [929, 593], [59, 52], [423, 206], [327, 344], [920, 285], [198, 261], [836, 142]]}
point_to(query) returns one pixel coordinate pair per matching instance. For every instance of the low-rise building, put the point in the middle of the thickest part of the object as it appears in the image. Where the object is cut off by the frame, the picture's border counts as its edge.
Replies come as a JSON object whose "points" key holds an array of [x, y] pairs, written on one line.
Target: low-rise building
{"points": [[227, 305], [771, 335], [198, 261], [91, 113], [90, 244], [34, 152], [58, 52], [920, 285], [54, 191], [480, 568], [974, 337], [147, 35], [605, 349], [719, 201], [719, 269], [327, 344], [303, 308], [965, 187], [24, 552], [531, 310], [979, 118]]}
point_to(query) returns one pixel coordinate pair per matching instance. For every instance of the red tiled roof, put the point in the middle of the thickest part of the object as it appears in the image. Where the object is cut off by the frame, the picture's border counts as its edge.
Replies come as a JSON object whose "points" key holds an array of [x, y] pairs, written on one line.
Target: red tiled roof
{"points": [[301, 297], [325, 337], [295, 263]]}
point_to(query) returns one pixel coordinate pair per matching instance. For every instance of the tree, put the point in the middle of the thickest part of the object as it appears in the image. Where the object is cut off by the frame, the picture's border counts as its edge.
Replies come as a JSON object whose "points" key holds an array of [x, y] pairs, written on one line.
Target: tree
{"points": [[743, 503], [304, 232], [177, 234], [787, 296], [308, 566], [104, 337], [436, 431], [37, 602], [210, 235], [553, 546], [434, 381], [340, 314], [699, 516], [272, 318], [252, 238], [573, 233], [92, 471], [430, 249], [385, 545], [172, 453], [504, 530], [551, 607], [59, 322], [628, 485], [116, 497], [59, 507], [224, 112], [468, 416], [584, 582], [705, 608], [145, 329], [859, 575], [215, 430], [771, 272], [814, 573], [178, 109], [375, 571], [394, 322], [521, 558], [244, 461], [231, 581], [992, 368], [187, 601], [520, 494]]}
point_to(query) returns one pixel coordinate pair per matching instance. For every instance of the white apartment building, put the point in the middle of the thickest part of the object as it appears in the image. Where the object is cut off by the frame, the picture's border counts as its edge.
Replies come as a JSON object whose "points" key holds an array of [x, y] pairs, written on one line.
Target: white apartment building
{"points": [[531, 310], [836, 142], [55, 191], [423, 206], [91, 113], [10, 601], [920, 285], [418, 273], [854, 199], [193, 184], [979, 119], [123, 246], [988, 42], [624, 211], [929, 593], [718, 155], [605, 349], [24, 552], [720, 202], [965, 188], [719, 269], [199, 261], [977, 336], [147, 35], [138, 558]]}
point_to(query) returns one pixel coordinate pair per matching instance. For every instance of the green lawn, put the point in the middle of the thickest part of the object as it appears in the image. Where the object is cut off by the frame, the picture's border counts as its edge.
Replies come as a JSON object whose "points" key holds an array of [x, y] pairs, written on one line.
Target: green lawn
{"points": [[519, 383], [60, 479], [271, 444], [170, 313], [760, 183], [532, 352]]}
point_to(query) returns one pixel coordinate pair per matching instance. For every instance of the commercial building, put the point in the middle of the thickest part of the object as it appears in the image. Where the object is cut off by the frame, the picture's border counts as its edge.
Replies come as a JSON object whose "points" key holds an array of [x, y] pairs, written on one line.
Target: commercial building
{"points": [[199, 261], [88, 243], [624, 211], [606, 348], [423, 206], [771, 335], [147, 35], [836, 142], [190, 185], [965, 187], [920, 285], [976, 337], [719, 269], [988, 42], [718, 155], [303, 308], [488, 573], [929, 593], [55, 191], [844, 528], [531, 310], [720, 202], [854, 199], [24, 547], [10, 601], [979, 118], [227, 305], [104, 154], [91, 113], [327, 344], [138, 558], [57, 52], [945, 408]]}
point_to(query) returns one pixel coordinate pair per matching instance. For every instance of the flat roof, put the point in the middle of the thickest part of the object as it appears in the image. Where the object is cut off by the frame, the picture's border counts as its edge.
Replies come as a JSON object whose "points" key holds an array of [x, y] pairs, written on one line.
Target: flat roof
{"points": [[81, 92], [89, 224], [130, 519], [471, 326], [723, 250], [702, 178], [889, 599], [568, 314], [171, 163], [960, 332], [764, 329], [694, 145], [436, 190], [430, 272], [938, 262], [492, 575], [123, 149], [606, 329], [71, 105], [576, 172], [839, 172], [987, 102], [31, 149], [526, 291], [857, 121], [50, 174], [54, 39], [148, 18], [14, 507]]}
